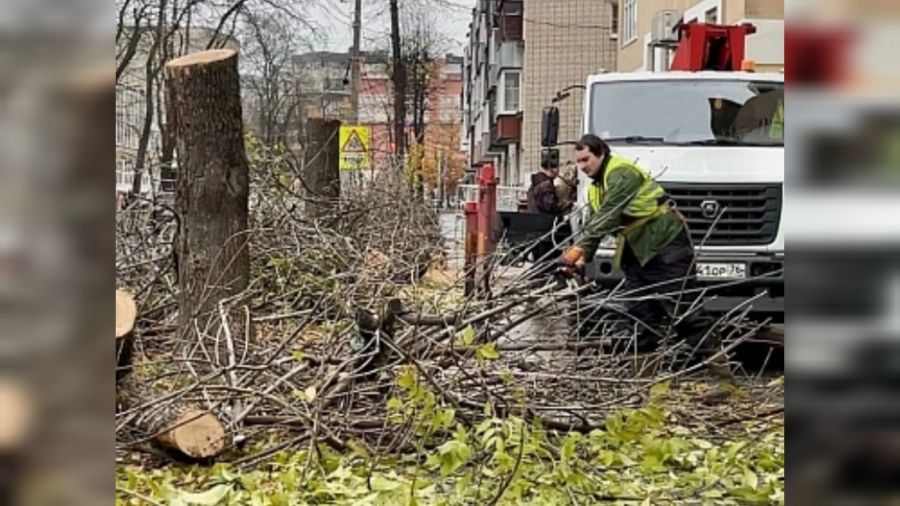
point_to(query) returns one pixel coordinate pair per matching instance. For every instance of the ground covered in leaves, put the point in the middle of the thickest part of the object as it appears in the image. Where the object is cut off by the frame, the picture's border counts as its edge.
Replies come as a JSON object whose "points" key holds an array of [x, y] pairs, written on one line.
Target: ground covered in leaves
{"points": [[353, 370], [644, 455]]}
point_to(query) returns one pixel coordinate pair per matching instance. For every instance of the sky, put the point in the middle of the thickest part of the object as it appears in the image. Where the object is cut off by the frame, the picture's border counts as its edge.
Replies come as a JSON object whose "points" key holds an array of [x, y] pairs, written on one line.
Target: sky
{"points": [[335, 18]]}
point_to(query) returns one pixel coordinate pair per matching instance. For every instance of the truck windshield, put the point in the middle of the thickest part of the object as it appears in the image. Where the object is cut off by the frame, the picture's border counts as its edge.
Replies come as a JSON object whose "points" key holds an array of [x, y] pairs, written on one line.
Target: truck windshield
{"points": [[689, 112]]}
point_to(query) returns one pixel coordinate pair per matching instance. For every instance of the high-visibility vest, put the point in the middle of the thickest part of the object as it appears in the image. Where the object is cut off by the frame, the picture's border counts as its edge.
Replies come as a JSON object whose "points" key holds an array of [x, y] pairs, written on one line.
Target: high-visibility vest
{"points": [[648, 202], [776, 130]]}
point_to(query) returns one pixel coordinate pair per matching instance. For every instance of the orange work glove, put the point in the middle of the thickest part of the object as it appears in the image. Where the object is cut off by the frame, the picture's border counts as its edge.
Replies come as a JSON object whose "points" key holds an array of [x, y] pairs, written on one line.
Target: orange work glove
{"points": [[572, 262]]}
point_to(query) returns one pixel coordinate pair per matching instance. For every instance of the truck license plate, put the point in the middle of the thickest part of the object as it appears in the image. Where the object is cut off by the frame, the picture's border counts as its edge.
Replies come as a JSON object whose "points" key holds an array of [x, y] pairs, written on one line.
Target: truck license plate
{"points": [[721, 271]]}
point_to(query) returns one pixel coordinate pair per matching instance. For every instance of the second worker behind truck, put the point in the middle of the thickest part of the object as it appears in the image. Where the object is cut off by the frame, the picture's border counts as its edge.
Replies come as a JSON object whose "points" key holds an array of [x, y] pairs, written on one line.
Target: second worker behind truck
{"points": [[543, 198], [653, 247]]}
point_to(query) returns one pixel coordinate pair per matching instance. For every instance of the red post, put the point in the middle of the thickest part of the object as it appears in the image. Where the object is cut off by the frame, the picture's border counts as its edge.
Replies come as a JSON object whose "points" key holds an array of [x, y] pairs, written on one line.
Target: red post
{"points": [[470, 210], [487, 211]]}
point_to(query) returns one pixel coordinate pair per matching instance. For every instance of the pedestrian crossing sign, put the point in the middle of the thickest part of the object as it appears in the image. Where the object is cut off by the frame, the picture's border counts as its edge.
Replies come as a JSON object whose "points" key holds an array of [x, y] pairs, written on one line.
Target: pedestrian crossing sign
{"points": [[354, 148]]}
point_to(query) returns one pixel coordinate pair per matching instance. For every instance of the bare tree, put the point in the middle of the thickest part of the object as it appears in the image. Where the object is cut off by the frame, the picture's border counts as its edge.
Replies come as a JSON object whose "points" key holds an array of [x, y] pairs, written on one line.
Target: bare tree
{"points": [[151, 32], [131, 16], [421, 67], [274, 103], [421, 47]]}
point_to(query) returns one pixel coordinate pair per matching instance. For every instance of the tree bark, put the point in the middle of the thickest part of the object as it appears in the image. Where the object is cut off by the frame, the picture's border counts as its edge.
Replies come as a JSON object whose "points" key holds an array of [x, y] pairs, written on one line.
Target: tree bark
{"points": [[322, 168], [212, 181]]}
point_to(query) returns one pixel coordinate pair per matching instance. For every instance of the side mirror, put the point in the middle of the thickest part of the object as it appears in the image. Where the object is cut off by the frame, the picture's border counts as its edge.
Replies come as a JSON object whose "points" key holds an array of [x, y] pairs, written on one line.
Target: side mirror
{"points": [[549, 126]]}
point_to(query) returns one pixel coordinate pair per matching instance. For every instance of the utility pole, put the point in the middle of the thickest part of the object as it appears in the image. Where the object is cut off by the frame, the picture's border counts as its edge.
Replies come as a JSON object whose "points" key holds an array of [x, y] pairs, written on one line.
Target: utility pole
{"points": [[355, 62], [442, 179], [399, 82]]}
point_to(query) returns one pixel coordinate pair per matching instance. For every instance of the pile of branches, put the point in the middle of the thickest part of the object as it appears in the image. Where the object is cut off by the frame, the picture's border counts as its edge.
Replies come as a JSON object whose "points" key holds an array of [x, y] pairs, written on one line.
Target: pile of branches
{"points": [[343, 341]]}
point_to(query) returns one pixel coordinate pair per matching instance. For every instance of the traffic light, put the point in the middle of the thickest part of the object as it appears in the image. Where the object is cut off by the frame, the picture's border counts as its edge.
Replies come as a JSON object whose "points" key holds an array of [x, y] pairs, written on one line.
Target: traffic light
{"points": [[549, 158], [549, 126]]}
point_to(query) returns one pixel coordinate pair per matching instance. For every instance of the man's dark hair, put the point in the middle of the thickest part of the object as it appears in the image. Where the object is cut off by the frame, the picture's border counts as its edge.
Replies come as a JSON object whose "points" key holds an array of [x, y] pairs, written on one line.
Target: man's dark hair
{"points": [[593, 144]]}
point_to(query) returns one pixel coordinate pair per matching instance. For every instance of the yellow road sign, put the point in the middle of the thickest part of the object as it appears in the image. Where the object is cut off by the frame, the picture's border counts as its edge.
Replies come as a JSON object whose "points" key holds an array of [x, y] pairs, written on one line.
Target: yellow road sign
{"points": [[354, 146]]}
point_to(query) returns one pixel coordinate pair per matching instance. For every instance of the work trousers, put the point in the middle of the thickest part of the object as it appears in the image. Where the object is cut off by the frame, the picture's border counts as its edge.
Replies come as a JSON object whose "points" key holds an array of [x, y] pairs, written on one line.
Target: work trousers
{"points": [[663, 289]]}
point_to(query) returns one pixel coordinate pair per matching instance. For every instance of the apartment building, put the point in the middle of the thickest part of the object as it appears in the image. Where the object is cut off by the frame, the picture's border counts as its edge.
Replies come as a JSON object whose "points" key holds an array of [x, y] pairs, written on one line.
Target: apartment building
{"points": [[492, 78], [765, 47], [520, 54], [565, 42], [323, 81]]}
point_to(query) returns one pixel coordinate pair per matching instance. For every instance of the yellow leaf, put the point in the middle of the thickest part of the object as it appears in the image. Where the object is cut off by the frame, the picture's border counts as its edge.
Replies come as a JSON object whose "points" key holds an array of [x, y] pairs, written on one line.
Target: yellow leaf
{"points": [[488, 352]]}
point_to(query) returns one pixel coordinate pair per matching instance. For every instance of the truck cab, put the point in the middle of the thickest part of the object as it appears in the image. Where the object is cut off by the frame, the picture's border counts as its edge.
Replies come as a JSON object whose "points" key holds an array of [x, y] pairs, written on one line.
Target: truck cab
{"points": [[715, 141]]}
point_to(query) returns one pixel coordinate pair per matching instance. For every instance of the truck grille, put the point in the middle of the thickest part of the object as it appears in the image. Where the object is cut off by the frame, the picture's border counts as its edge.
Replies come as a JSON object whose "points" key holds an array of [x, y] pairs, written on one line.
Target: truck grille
{"points": [[750, 217]]}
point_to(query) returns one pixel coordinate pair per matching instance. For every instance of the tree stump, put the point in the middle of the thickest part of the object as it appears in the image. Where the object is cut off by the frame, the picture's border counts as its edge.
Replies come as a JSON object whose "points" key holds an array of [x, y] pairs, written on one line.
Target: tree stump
{"points": [[321, 170], [126, 316], [212, 181], [17, 417]]}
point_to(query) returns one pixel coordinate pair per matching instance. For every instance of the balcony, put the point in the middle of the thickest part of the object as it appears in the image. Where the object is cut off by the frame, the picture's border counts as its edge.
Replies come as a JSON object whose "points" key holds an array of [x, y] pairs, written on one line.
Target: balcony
{"points": [[506, 129], [488, 149], [510, 29]]}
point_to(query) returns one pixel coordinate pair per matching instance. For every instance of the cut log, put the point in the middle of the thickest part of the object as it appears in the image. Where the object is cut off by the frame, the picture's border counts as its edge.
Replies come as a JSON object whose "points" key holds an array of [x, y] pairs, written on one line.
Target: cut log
{"points": [[126, 316], [16, 417], [212, 182], [196, 434]]}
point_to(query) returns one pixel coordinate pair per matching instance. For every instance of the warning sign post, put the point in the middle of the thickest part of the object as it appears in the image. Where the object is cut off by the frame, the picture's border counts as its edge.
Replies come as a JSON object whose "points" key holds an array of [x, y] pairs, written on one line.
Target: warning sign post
{"points": [[354, 148]]}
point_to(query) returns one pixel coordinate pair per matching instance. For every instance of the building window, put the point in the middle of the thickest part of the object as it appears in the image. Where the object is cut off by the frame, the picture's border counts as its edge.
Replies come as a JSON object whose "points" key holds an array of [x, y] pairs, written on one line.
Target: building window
{"points": [[449, 110], [614, 21], [510, 92], [629, 21], [712, 15], [124, 173]]}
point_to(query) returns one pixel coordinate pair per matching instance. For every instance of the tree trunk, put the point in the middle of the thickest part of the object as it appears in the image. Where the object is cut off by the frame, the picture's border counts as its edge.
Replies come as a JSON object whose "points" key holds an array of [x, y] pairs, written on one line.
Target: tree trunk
{"points": [[212, 181], [399, 82], [140, 164], [322, 168]]}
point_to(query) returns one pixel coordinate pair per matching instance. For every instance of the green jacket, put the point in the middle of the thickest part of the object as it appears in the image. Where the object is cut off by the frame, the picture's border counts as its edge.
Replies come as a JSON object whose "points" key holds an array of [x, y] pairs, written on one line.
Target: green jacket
{"points": [[648, 241]]}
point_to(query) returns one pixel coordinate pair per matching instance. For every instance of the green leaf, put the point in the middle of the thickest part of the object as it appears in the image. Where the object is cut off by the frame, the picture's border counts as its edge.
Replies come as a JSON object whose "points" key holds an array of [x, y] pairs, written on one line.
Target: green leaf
{"points": [[277, 262], [382, 484], [749, 494], [444, 419], [568, 448], [660, 390], [467, 336], [751, 479], [407, 378], [702, 444], [394, 404], [488, 352], [211, 497], [358, 448]]}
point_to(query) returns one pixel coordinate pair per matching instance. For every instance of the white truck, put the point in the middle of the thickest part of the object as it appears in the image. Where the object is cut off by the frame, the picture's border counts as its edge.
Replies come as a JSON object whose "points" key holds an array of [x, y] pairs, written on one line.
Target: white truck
{"points": [[715, 141]]}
